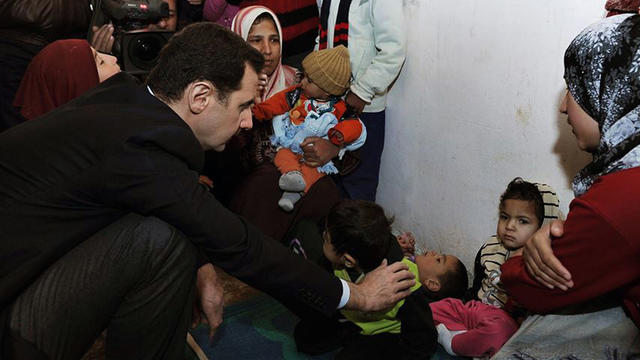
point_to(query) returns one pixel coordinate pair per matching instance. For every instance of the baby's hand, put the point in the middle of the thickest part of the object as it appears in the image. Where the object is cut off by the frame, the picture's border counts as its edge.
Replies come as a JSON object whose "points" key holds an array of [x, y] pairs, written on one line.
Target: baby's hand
{"points": [[407, 243]]}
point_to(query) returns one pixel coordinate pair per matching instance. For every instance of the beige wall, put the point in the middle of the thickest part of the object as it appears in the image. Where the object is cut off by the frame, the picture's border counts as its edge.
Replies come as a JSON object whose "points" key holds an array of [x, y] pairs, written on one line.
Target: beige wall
{"points": [[474, 107]]}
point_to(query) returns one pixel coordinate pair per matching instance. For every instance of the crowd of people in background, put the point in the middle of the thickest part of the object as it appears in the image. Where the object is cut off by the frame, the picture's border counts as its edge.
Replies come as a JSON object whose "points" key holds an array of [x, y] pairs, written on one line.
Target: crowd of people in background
{"points": [[254, 144]]}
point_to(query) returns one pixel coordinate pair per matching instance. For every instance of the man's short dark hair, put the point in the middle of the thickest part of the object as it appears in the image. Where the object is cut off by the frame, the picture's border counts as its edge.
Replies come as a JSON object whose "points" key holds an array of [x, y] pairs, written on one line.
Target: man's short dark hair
{"points": [[202, 51], [453, 283], [519, 189], [361, 229]]}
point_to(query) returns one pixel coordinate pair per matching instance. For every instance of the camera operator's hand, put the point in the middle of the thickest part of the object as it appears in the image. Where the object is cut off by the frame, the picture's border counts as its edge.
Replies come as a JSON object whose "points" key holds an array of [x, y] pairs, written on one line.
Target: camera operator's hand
{"points": [[102, 39]]}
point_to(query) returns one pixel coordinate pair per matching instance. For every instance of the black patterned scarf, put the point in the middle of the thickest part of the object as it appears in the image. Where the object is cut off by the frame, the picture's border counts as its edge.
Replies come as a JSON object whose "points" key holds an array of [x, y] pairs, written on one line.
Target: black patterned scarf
{"points": [[341, 29], [602, 71]]}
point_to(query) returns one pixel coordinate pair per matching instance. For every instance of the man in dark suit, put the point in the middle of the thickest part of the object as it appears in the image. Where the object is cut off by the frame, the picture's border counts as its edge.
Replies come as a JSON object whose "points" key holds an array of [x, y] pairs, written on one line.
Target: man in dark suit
{"points": [[103, 222]]}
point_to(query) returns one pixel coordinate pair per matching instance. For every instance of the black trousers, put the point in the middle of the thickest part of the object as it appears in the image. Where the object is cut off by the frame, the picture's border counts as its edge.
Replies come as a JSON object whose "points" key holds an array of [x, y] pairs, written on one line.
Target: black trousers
{"points": [[362, 182], [134, 278]]}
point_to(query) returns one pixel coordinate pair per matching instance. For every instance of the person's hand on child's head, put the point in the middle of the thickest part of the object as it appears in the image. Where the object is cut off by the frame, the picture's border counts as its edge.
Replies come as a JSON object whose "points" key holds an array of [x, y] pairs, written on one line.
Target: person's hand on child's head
{"points": [[407, 243], [540, 261], [102, 38], [381, 288]]}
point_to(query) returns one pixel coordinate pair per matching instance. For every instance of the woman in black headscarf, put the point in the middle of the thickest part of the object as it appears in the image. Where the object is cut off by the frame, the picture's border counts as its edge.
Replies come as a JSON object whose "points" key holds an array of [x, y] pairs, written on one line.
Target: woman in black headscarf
{"points": [[597, 254]]}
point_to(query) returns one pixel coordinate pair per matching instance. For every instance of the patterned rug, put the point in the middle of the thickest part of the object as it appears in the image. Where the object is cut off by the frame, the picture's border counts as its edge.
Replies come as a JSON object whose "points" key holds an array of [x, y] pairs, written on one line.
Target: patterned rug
{"points": [[259, 328]]}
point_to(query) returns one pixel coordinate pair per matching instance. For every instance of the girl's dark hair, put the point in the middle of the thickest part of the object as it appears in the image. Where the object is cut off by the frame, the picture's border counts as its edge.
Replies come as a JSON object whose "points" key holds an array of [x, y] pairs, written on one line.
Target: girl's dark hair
{"points": [[262, 17], [519, 189], [361, 229], [203, 51]]}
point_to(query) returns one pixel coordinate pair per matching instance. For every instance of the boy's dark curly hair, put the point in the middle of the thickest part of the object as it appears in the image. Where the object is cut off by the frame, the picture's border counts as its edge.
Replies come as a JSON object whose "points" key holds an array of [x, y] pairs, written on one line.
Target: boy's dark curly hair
{"points": [[519, 189], [453, 283]]}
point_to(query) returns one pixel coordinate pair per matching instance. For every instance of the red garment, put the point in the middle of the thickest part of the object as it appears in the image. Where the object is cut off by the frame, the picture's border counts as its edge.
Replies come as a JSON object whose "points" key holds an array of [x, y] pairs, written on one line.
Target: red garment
{"points": [[487, 327], [278, 104], [600, 247], [59, 73], [286, 161], [617, 7]]}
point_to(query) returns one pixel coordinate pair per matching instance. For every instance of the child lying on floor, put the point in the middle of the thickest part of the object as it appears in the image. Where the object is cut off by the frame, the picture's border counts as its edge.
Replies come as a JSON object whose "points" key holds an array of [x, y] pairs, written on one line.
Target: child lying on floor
{"points": [[480, 327], [356, 237], [311, 108]]}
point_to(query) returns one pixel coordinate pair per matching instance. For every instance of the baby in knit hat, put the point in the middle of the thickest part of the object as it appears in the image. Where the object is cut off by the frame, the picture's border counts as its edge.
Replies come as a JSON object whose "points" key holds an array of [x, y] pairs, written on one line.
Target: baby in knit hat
{"points": [[312, 108]]}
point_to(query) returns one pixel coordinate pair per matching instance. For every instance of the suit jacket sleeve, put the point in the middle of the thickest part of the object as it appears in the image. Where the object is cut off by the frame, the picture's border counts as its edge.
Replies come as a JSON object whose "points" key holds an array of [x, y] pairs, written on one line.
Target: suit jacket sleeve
{"points": [[150, 173]]}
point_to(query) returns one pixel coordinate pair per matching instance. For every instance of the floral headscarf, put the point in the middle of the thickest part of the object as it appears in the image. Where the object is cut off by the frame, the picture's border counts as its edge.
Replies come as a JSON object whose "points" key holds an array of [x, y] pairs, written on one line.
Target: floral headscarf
{"points": [[283, 76], [602, 71]]}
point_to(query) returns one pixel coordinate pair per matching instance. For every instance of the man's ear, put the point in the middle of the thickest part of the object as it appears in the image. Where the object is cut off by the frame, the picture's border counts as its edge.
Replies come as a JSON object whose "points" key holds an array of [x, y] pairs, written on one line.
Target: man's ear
{"points": [[349, 261], [432, 284], [200, 94]]}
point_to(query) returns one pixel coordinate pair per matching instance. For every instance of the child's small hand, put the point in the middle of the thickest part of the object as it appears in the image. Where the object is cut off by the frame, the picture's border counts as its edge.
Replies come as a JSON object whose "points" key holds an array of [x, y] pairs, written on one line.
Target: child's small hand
{"points": [[407, 243]]}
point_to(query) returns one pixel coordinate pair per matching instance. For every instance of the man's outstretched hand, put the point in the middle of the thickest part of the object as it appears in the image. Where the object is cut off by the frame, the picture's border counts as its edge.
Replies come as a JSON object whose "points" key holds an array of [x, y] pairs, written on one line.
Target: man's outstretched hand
{"points": [[209, 299], [381, 288]]}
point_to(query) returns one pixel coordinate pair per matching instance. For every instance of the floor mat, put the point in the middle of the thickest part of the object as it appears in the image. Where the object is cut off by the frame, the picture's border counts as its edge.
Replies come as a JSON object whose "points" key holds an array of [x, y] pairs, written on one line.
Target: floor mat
{"points": [[259, 328]]}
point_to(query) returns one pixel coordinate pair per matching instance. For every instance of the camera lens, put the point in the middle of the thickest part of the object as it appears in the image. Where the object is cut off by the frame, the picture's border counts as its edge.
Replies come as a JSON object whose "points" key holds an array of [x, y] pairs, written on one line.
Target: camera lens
{"points": [[144, 50]]}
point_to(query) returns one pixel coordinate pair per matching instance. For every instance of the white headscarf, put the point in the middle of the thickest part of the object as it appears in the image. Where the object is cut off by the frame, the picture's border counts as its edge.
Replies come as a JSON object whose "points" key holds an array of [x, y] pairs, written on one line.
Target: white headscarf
{"points": [[283, 75]]}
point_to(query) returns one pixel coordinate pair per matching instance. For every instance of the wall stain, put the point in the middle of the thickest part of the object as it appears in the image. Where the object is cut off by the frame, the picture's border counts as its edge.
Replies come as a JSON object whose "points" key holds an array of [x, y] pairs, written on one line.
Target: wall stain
{"points": [[409, 4], [523, 115]]}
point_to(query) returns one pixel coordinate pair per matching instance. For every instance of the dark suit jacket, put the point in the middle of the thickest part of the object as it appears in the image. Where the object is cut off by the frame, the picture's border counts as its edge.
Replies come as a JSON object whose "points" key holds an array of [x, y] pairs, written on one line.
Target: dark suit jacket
{"points": [[115, 150]]}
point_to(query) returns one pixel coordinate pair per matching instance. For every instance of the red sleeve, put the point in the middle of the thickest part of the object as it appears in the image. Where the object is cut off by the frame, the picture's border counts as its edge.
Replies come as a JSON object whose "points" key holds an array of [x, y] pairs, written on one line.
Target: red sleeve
{"points": [[598, 257], [275, 105], [350, 130], [339, 109]]}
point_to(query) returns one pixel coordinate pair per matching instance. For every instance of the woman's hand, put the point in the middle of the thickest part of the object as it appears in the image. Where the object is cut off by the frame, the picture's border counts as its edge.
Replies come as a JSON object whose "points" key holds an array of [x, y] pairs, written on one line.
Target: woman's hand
{"points": [[263, 80], [318, 151], [540, 261]]}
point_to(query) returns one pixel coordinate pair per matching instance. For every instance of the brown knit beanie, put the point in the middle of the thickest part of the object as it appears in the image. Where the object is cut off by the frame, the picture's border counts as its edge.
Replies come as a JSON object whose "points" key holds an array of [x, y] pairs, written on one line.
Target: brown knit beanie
{"points": [[330, 69]]}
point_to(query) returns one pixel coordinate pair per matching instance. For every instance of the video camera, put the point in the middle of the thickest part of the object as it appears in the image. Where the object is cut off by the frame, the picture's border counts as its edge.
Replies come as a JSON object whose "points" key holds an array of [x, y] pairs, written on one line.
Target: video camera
{"points": [[136, 48]]}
